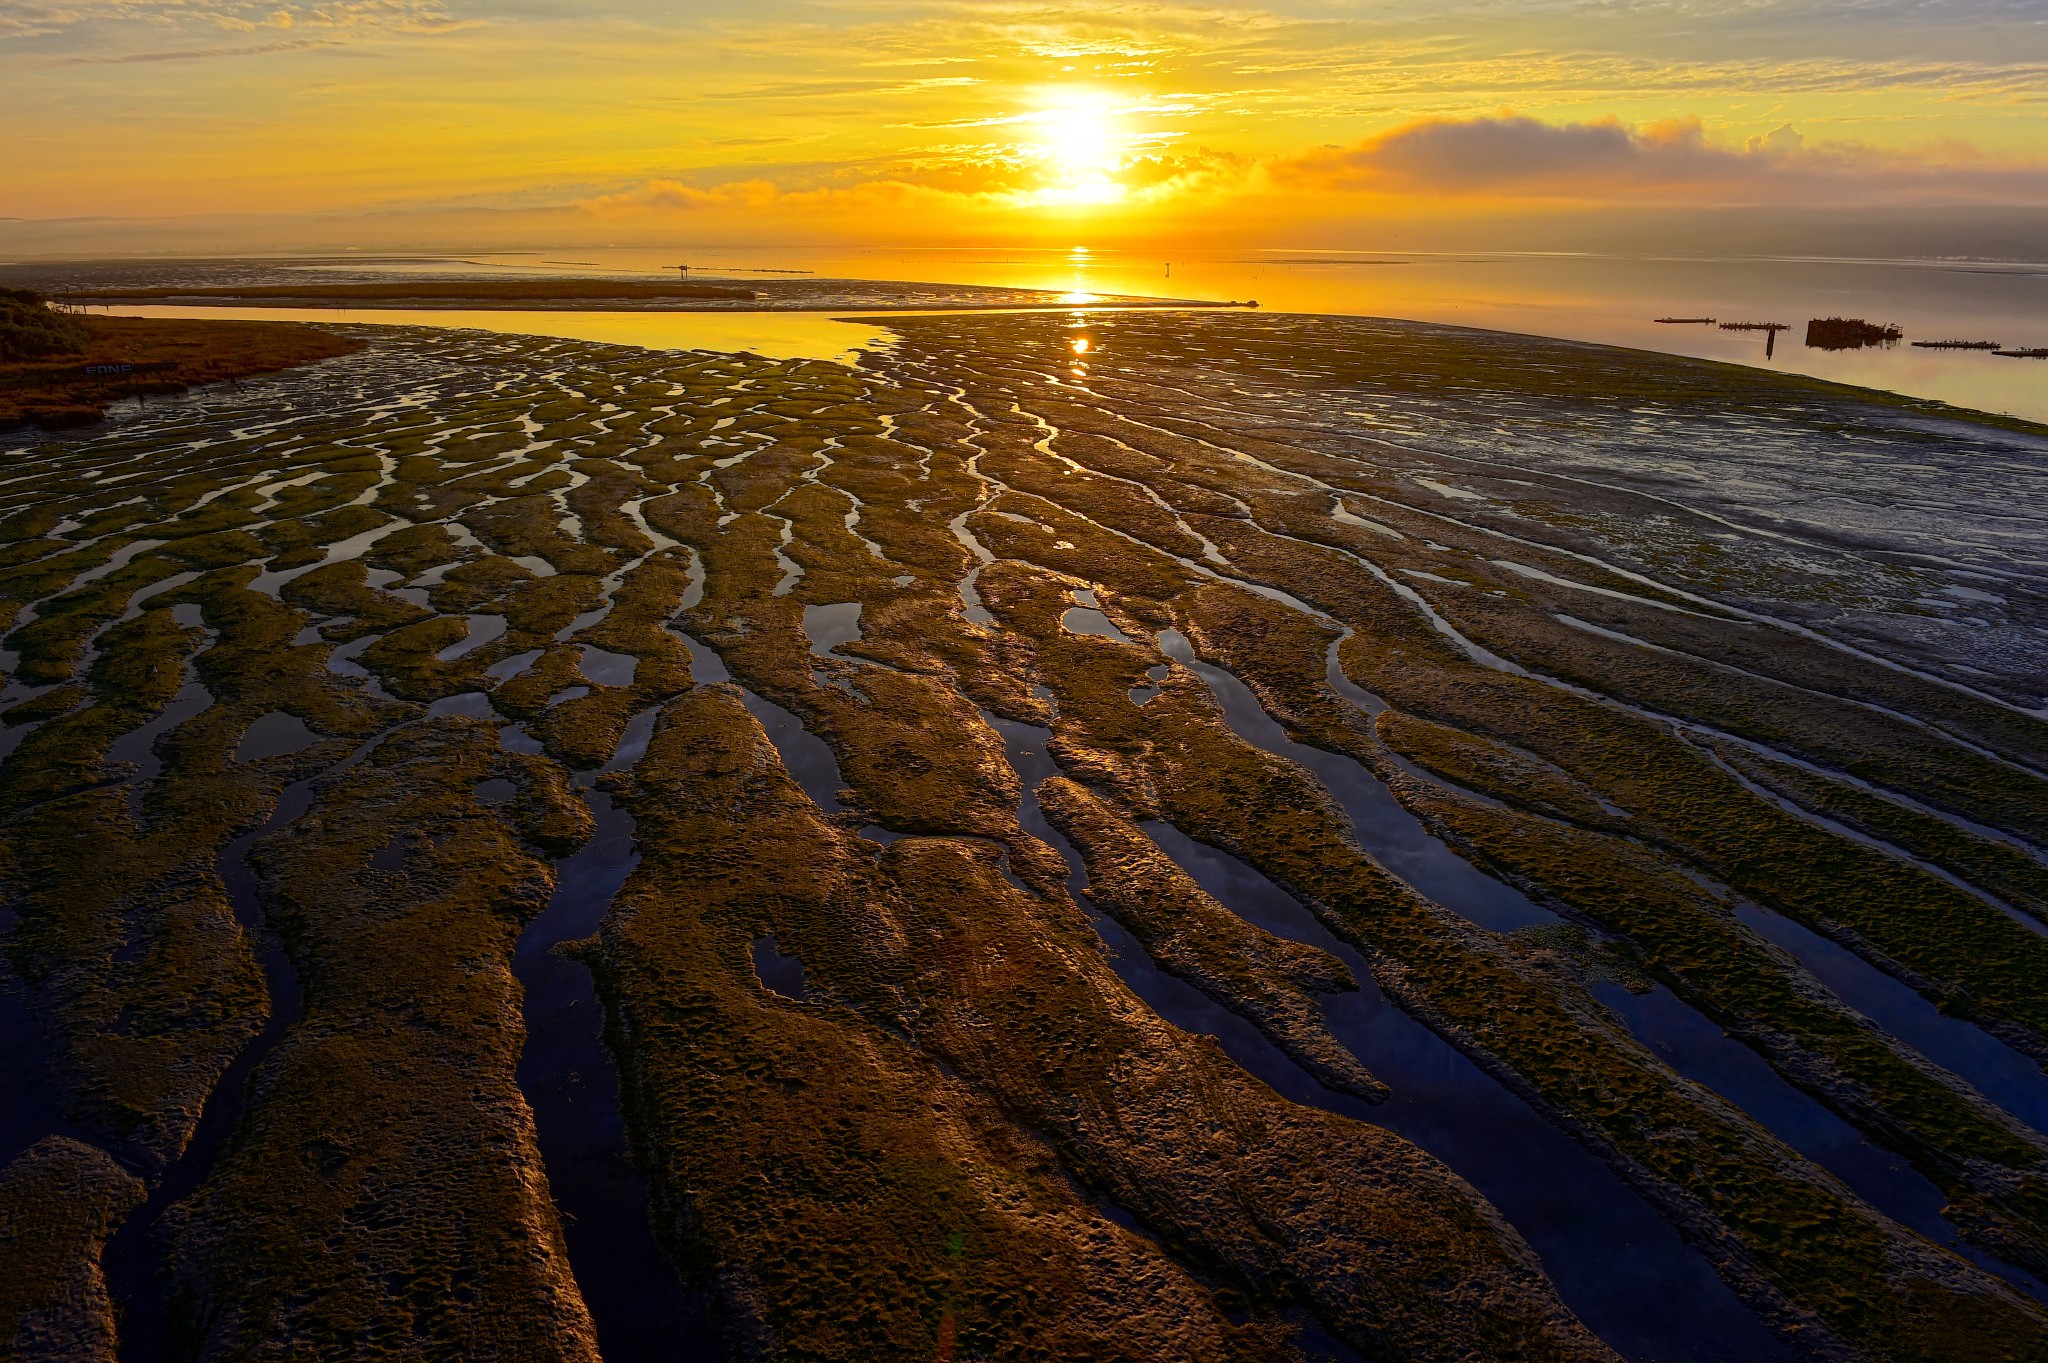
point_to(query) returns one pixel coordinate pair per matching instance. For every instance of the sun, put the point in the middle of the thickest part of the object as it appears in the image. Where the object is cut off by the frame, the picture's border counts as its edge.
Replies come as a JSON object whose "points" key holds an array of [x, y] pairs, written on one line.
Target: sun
{"points": [[1081, 140], [1080, 143]]}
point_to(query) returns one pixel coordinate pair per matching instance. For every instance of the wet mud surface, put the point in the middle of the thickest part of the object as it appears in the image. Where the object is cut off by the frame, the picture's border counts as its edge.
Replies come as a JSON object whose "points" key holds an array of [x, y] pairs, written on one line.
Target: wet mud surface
{"points": [[1256, 838]]}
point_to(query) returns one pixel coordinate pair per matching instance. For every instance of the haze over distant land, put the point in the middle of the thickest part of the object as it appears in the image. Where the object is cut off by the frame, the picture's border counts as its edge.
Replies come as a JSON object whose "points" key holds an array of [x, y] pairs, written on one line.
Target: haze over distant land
{"points": [[1880, 129], [1990, 233]]}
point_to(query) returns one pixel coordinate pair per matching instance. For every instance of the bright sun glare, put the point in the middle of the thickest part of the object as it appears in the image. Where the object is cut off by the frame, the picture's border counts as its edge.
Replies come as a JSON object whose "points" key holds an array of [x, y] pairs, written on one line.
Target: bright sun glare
{"points": [[1081, 144]]}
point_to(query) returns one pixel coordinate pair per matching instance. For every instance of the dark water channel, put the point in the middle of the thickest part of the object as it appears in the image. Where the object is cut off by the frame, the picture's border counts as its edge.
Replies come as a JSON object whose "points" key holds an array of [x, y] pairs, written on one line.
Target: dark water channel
{"points": [[1394, 837], [137, 747], [1993, 1068], [505, 669], [807, 757], [30, 1105], [1698, 1049], [481, 630], [642, 1312], [1996, 1070], [640, 1308], [1616, 1262], [136, 1256], [1679, 1034], [1086, 616]]}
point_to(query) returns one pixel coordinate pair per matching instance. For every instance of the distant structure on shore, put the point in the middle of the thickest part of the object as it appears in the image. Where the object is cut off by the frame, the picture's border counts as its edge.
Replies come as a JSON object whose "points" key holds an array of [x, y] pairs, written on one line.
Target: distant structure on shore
{"points": [[2036, 353], [1849, 333], [1685, 321], [1955, 345]]}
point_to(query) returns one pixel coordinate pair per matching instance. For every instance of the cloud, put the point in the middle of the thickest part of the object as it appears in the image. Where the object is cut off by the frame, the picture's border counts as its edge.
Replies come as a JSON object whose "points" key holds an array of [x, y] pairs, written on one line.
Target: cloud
{"points": [[676, 196], [1515, 157], [196, 53], [33, 21], [939, 191], [763, 200], [812, 89], [1491, 154], [1491, 164], [856, 210], [112, 25]]}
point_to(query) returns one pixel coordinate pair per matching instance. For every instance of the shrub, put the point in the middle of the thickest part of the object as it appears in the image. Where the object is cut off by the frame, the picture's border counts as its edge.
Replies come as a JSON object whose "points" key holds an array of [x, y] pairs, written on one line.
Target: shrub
{"points": [[29, 330]]}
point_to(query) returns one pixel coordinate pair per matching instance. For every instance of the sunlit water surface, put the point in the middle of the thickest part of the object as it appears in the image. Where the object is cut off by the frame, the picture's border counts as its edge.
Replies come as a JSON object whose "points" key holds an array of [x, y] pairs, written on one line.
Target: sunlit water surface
{"points": [[1609, 299], [773, 335]]}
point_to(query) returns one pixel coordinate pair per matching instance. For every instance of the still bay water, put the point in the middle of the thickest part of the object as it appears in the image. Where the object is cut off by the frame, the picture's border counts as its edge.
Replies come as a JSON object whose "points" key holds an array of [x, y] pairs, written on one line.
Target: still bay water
{"points": [[1608, 299]]}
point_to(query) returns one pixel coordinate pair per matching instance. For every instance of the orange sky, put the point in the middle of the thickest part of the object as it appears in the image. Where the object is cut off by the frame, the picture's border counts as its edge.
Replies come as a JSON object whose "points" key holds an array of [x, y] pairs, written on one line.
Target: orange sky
{"points": [[944, 120]]}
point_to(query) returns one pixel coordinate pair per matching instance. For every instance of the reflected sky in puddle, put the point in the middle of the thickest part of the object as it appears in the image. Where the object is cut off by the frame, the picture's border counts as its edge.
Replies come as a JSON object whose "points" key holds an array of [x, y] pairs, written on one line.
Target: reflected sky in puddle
{"points": [[482, 629], [274, 735], [605, 668], [780, 972], [827, 627], [772, 335]]}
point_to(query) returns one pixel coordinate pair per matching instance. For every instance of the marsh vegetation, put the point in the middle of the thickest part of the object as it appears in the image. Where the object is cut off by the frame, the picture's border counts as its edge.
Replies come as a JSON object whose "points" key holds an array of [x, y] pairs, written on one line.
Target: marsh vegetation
{"points": [[61, 368], [1253, 837]]}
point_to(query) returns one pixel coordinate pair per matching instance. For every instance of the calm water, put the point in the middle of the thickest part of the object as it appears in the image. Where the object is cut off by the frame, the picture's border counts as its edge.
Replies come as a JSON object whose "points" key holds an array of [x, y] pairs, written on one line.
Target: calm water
{"points": [[1611, 299], [777, 336]]}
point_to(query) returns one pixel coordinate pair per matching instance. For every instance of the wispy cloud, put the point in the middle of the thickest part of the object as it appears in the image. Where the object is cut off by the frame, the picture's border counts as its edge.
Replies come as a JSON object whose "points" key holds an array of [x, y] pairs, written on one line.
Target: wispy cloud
{"points": [[116, 24], [820, 89], [1510, 157], [197, 53]]}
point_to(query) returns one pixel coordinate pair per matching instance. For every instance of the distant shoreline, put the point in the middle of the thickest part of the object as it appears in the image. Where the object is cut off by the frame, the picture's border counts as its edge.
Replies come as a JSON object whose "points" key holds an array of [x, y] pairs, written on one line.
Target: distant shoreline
{"points": [[604, 295], [481, 305]]}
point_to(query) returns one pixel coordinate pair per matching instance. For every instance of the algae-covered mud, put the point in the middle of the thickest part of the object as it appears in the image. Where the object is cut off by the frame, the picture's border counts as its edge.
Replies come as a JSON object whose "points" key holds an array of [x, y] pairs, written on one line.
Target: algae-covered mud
{"points": [[1140, 836]]}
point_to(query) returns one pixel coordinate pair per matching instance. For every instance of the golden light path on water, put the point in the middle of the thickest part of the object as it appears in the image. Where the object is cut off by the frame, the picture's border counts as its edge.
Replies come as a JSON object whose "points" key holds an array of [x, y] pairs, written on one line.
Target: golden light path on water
{"points": [[1606, 299]]}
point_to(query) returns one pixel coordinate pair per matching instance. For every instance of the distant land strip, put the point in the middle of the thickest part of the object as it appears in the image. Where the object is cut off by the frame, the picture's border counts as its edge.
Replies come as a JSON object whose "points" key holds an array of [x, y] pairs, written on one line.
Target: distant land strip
{"points": [[609, 295], [424, 292]]}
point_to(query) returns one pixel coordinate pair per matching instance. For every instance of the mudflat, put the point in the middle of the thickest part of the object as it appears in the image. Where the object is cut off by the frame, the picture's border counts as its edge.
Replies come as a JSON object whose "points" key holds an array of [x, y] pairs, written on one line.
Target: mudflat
{"points": [[1247, 838]]}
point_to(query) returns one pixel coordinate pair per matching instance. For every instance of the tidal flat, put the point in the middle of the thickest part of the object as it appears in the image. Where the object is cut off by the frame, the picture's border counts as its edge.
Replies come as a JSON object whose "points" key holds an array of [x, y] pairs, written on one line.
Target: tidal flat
{"points": [[1126, 835]]}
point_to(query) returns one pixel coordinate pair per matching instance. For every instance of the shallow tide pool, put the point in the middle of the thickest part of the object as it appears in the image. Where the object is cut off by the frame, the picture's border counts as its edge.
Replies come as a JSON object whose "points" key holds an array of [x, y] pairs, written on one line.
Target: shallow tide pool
{"points": [[771, 335]]}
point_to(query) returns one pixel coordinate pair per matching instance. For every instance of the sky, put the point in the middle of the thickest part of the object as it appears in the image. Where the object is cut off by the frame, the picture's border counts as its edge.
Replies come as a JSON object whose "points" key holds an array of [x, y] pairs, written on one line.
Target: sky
{"points": [[934, 121]]}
